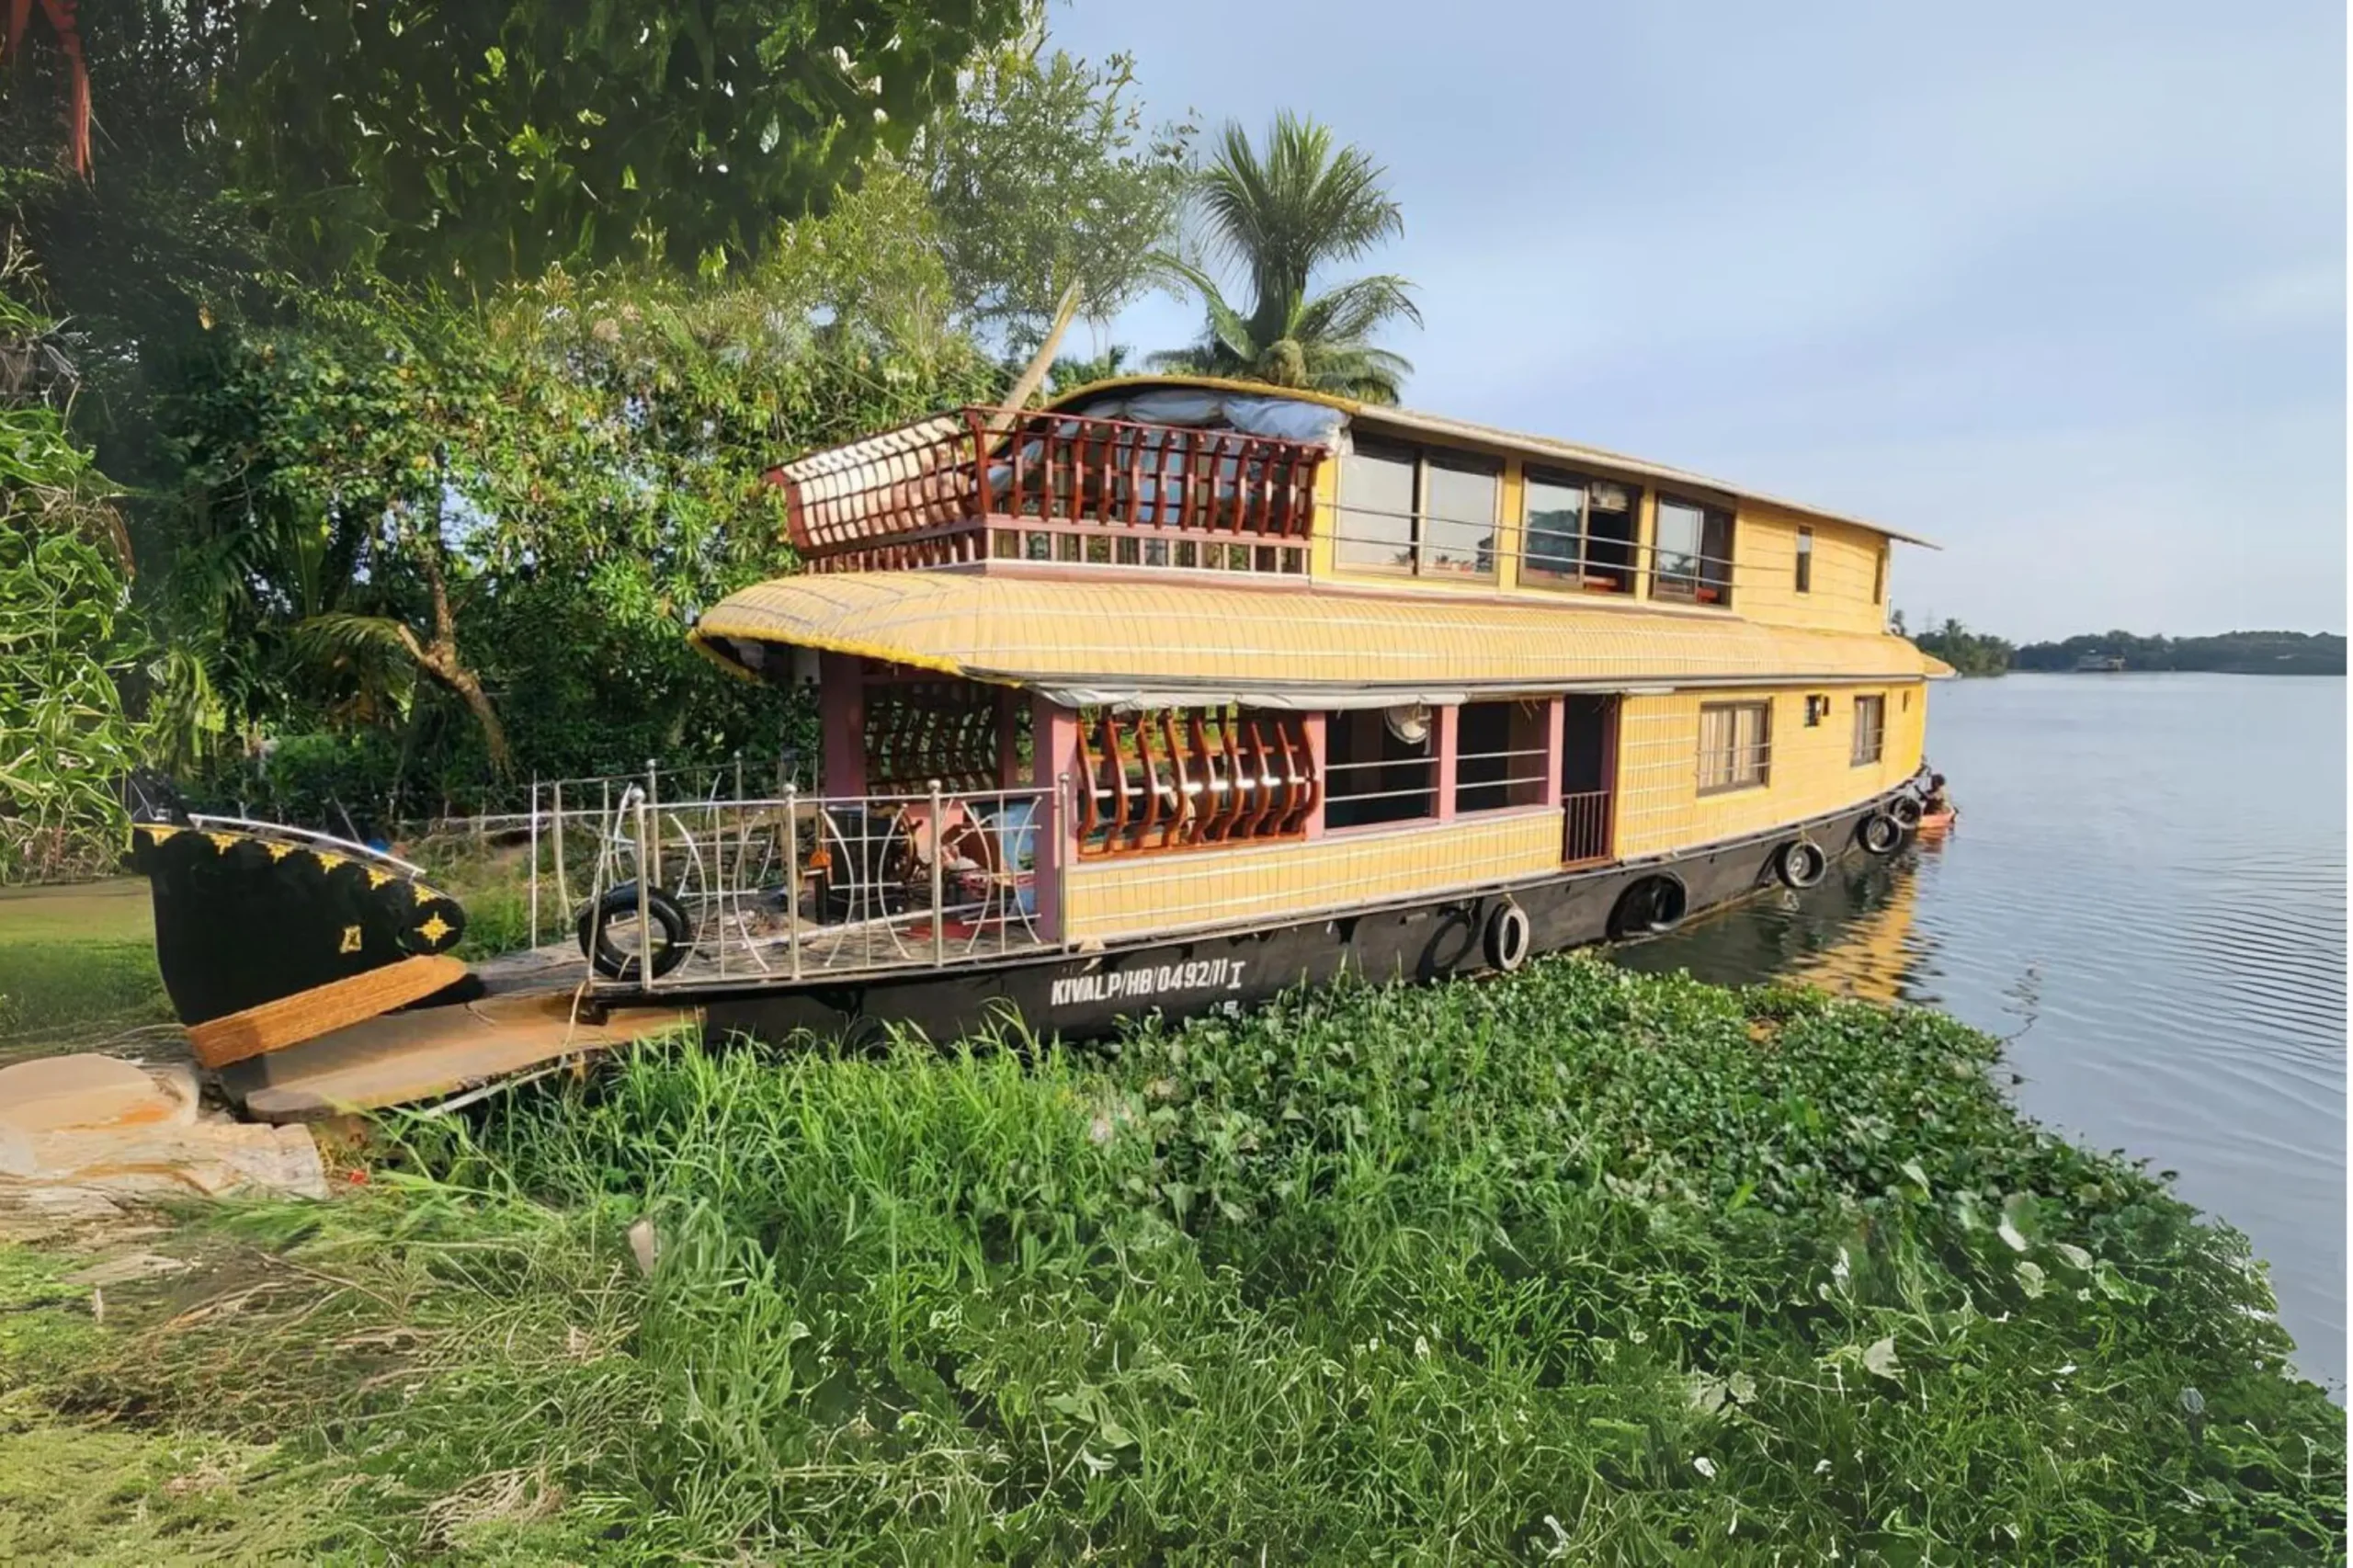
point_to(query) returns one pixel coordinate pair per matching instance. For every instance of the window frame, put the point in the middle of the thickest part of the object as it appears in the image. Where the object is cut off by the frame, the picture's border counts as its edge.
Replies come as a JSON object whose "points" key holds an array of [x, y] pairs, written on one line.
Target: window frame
{"points": [[1763, 747], [1699, 588], [1525, 768], [1461, 460], [1876, 704], [1582, 568], [1805, 560], [1879, 575], [1337, 775]]}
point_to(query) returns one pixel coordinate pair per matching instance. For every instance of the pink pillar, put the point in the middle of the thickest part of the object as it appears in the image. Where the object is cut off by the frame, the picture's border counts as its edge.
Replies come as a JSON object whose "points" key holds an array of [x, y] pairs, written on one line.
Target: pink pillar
{"points": [[1556, 712], [841, 709], [1448, 737], [1054, 754], [1317, 727]]}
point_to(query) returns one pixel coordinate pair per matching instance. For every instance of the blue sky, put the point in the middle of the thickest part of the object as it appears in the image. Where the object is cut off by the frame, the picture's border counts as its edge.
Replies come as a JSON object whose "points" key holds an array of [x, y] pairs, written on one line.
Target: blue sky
{"points": [[2062, 286]]}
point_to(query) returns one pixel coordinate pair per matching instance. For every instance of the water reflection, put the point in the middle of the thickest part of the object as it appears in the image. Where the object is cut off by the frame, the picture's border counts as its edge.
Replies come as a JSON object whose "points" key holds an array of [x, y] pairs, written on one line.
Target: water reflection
{"points": [[1851, 933]]}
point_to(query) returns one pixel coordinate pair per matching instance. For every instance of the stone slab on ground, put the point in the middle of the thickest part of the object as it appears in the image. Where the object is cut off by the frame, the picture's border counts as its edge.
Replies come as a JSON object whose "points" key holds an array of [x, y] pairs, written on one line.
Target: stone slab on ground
{"points": [[84, 1090]]}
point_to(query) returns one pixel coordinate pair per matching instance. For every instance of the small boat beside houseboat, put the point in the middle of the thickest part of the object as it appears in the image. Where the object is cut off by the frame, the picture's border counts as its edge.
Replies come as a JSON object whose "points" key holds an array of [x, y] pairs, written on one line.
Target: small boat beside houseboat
{"points": [[1169, 696]]}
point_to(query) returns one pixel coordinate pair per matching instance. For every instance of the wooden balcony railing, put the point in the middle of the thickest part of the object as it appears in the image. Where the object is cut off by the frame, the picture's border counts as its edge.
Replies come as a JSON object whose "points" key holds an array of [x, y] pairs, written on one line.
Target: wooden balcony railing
{"points": [[977, 485]]}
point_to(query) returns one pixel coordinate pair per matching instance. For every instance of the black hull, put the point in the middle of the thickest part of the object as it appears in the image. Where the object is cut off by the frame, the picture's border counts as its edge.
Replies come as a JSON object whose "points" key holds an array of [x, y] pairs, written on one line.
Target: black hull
{"points": [[244, 919], [1086, 996]]}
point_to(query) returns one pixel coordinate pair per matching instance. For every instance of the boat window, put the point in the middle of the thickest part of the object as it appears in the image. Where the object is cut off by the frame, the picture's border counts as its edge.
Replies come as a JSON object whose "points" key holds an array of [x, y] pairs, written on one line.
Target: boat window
{"points": [[1735, 745], [1376, 514], [1579, 533], [1422, 513], [1380, 765], [1186, 777], [1459, 516], [1805, 560], [1692, 555], [1871, 729], [1499, 749]]}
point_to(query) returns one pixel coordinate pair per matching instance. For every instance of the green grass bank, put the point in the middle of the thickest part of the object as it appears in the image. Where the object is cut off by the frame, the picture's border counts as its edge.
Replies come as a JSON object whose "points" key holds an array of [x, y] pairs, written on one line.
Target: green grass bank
{"points": [[1580, 1267], [78, 965]]}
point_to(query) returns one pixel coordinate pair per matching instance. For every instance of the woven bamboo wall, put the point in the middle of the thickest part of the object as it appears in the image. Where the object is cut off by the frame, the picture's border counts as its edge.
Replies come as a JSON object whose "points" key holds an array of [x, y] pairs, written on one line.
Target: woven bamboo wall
{"points": [[1660, 807], [1167, 892]]}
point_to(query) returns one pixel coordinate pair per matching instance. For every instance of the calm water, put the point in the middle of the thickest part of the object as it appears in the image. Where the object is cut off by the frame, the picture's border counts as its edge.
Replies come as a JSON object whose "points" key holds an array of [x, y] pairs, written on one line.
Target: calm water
{"points": [[2146, 890]]}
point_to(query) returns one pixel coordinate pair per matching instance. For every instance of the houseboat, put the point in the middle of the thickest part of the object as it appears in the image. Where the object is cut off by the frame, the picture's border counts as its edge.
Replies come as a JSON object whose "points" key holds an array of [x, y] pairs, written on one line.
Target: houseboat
{"points": [[1168, 695]]}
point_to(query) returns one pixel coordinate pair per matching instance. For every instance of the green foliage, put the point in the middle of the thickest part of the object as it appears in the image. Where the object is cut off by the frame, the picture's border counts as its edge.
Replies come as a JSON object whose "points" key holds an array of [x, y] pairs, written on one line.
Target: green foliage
{"points": [[1279, 217], [491, 140], [1970, 652], [1040, 178], [2233, 652], [67, 634], [573, 473], [1572, 1265]]}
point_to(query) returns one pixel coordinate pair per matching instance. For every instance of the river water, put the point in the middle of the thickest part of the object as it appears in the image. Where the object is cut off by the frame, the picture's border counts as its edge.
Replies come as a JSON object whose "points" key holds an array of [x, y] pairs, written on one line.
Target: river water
{"points": [[2145, 894]]}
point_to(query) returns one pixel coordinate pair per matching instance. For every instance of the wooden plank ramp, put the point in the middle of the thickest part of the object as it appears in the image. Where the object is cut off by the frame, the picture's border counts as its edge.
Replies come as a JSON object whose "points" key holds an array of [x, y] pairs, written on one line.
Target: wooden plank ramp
{"points": [[528, 1018]]}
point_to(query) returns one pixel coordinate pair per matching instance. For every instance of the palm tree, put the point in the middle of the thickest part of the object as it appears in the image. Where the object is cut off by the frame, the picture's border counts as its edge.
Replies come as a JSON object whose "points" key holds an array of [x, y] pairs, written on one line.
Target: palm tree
{"points": [[1278, 219]]}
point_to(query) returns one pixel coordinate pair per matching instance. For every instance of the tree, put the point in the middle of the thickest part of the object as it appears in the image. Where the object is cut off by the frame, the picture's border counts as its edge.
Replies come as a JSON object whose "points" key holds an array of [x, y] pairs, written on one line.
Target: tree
{"points": [[1043, 181], [1074, 370], [1279, 218], [1970, 652], [487, 140]]}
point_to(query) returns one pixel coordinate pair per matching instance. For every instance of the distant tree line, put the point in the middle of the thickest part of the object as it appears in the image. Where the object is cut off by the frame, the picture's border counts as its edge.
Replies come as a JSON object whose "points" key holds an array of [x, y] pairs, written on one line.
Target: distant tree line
{"points": [[2233, 652], [1971, 652]]}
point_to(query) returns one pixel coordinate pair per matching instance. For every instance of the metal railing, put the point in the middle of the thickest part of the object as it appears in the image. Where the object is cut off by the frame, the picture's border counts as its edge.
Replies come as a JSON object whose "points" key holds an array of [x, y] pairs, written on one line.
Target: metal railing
{"points": [[980, 484], [1585, 828], [667, 891]]}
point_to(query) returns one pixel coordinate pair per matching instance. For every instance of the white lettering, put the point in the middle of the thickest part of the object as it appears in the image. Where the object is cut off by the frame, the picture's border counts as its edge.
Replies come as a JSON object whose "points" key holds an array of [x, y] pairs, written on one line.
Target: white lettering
{"points": [[1195, 974]]}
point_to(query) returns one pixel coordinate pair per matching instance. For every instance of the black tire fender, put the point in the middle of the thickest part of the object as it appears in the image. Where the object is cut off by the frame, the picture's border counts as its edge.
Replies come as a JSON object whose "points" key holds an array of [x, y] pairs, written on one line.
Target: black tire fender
{"points": [[1651, 906], [1880, 834], [1508, 937], [1906, 810], [607, 957], [1801, 864]]}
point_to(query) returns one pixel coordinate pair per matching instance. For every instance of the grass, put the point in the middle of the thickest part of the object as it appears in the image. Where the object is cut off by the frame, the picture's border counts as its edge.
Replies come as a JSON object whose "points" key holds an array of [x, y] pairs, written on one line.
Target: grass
{"points": [[1579, 1266], [78, 964]]}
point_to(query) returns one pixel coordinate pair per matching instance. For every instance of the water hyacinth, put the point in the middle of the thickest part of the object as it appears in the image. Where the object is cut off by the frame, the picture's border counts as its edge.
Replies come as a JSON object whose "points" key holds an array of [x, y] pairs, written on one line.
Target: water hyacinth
{"points": [[1529, 1270]]}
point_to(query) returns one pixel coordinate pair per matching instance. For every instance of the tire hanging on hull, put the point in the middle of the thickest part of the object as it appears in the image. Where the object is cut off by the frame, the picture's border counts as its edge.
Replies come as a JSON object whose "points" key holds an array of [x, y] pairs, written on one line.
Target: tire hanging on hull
{"points": [[1650, 907], [1801, 864], [1509, 938], [1880, 834]]}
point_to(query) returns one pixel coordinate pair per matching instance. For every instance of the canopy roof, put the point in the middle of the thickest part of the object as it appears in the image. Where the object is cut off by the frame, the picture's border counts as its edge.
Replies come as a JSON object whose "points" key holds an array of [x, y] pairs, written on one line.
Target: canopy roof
{"points": [[1125, 641], [1379, 419]]}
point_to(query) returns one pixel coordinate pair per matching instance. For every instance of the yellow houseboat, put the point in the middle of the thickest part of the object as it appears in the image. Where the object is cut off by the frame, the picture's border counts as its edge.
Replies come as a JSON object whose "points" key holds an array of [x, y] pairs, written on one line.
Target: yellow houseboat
{"points": [[1178, 692]]}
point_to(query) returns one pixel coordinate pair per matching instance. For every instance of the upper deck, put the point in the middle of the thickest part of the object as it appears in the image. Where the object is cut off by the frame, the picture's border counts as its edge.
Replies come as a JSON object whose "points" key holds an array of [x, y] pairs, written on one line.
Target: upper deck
{"points": [[1217, 483]]}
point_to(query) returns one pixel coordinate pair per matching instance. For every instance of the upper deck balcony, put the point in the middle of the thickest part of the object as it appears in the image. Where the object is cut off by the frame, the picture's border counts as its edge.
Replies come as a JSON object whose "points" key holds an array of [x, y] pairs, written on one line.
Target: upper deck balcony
{"points": [[980, 484]]}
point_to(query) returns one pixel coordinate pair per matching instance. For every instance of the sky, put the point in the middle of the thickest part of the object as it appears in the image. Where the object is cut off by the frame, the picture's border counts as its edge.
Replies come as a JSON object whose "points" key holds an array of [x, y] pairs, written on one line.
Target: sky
{"points": [[2060, 286]]}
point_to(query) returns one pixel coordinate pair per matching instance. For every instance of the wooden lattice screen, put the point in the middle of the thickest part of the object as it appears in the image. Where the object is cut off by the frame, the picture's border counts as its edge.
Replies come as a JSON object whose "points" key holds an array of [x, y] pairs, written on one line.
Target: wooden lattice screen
{"points": [[1176, 778], [918, 730]]}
